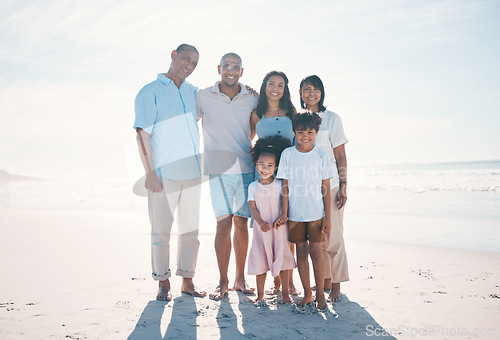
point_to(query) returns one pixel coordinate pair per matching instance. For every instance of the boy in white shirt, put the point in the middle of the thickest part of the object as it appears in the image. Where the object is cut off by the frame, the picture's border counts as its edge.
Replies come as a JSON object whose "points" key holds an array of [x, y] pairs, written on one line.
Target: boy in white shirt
{"points": [[306, 198]]}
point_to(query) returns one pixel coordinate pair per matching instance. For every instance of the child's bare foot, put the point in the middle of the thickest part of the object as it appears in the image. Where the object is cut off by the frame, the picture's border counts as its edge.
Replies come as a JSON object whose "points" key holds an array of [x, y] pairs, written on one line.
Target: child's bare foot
{"points": [[321, 303], [243, 287], [292, 290], [276, 286], [335, 294], [285, 298], [189, 288], [273, 290], [164, 291], [220, 292]]}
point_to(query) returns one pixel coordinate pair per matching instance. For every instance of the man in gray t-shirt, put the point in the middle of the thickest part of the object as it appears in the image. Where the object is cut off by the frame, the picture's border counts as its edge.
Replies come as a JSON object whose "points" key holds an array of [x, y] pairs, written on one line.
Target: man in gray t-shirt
{"points": [[225, 109]]}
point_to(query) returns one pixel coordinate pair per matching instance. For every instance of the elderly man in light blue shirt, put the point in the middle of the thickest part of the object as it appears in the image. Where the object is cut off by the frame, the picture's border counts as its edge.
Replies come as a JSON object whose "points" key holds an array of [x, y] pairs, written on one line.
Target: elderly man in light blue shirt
{"points": [[165, 120]]}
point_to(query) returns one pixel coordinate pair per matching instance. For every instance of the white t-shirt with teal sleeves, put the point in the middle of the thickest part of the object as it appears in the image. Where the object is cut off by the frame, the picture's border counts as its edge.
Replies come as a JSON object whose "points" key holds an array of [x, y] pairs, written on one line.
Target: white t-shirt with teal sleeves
{"points": [[168, 114], [305, 172], [330, 135]]}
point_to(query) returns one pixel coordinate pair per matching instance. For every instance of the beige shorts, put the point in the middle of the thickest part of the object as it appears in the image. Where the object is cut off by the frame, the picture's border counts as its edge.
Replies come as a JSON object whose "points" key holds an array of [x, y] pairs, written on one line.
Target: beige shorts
{"points": [[305, 231]]}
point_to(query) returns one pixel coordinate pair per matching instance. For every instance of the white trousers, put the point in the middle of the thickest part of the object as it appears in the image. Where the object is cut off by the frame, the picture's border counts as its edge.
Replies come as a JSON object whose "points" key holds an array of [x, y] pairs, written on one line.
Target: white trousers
{"points": [[334, 254], [182, 198]]}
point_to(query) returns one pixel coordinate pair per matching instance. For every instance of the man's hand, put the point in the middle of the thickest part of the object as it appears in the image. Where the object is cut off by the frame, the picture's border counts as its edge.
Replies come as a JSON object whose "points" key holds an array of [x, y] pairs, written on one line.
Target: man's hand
{"points": [[264, 226], [327, 226], [252, 91], [280, 221], [153, 183], [341, 197]]}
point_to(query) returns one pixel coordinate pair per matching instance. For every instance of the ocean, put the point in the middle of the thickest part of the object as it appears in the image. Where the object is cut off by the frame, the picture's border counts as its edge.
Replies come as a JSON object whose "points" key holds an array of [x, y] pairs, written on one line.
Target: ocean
{"points": [[481, 176]]}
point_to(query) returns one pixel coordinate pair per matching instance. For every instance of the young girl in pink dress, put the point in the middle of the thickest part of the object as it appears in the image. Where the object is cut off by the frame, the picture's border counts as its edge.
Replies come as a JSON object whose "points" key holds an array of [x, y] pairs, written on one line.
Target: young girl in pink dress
{"points": [[270, 247]]}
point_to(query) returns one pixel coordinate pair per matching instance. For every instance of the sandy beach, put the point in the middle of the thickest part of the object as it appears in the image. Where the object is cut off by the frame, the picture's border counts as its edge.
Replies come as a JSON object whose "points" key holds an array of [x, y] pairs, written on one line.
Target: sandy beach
{"points": [[85, 274], [415, 83]]}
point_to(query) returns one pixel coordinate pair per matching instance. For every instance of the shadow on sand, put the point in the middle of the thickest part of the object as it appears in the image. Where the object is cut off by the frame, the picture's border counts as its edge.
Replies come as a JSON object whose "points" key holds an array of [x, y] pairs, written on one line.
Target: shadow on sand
{"points": [[227, 321], [240, 319], [355, 321], [182, 325]]}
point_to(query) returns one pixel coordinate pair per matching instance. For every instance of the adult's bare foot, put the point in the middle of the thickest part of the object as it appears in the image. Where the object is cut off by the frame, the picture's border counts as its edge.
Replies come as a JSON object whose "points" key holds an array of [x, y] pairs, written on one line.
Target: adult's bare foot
{"points": [[321, 303], [164, 291], [189, 288], [220, 292], [335, 294], [243, 287], [327, 284], [305, 300], [257, 300]]}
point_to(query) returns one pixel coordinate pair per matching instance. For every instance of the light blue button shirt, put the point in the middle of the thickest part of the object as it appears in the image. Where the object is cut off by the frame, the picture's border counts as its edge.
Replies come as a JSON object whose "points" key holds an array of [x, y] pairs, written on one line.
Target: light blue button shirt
{"points": [[168, 114]]}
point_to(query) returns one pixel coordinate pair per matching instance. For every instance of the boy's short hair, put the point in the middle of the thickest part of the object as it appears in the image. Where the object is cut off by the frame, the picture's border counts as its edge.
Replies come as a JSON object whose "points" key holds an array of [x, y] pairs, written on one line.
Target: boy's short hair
{"points": [[307, 120]]}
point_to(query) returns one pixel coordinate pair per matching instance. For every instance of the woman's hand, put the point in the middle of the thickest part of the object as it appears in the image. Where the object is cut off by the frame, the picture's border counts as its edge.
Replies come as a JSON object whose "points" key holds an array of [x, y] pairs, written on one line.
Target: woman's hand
{"points": [[341, 197]]}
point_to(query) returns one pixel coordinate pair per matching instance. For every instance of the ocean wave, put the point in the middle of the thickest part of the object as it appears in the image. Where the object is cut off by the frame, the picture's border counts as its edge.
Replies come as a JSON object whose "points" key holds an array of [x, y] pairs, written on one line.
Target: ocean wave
{"points": [[422, 189], [483, 176], [431, 173], [423, 185]]}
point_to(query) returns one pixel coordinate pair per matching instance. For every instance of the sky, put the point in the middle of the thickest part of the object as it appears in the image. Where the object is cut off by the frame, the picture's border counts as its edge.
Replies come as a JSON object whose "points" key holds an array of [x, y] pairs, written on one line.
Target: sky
{"points": [[414, 81]]}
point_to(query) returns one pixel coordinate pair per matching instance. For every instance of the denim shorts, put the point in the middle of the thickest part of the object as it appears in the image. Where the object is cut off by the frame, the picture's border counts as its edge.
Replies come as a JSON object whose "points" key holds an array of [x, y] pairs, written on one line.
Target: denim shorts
{"points": [[229, 194]]}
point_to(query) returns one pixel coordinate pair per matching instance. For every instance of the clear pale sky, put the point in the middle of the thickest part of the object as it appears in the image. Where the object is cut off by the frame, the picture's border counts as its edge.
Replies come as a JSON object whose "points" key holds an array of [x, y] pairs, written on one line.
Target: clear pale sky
{"points": [[414, 81]]}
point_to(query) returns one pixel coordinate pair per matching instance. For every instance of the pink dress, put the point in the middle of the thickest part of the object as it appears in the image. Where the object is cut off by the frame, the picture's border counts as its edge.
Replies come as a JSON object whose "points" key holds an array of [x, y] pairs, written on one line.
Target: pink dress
{"points": [[270, 250]]}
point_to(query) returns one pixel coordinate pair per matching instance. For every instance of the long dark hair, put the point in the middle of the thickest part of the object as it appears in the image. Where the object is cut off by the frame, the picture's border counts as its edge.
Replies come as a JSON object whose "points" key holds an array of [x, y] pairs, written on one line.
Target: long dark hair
{"points": [[315, 81], [285, 101]]}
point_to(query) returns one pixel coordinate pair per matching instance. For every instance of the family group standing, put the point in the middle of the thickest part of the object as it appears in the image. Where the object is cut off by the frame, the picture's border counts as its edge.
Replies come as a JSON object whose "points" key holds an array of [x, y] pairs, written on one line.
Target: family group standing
{"points": [[292, 181]]}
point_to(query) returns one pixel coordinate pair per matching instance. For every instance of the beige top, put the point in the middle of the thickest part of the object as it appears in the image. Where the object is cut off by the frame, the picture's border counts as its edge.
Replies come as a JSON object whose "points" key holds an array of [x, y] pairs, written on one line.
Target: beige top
{"points": [[226, 130]]}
